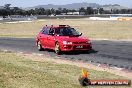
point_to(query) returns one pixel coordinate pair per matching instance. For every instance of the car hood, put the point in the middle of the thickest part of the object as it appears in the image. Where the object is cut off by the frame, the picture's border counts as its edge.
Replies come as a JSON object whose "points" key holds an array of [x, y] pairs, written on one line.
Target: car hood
{"points": [[72, 39]]}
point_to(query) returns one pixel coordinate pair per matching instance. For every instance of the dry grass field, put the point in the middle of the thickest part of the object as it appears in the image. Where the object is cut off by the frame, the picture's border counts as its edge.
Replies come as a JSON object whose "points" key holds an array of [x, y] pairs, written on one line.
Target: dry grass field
{"points": [[92, 29]]}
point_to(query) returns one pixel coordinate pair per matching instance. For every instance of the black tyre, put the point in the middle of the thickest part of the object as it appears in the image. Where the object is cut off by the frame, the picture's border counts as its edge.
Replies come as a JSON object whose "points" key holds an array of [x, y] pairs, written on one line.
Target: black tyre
{"points": [[84, 81], [39, 45], [57, 48]]}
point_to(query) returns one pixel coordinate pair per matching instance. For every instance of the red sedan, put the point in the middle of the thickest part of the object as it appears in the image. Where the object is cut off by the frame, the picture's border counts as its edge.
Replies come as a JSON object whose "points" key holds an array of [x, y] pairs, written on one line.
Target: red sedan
{"points": [[62, 38]]}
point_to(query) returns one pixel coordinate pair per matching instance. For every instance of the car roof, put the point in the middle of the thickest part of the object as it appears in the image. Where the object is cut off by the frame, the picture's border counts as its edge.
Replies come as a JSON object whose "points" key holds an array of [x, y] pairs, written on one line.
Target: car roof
{"points": [[60, 26]]}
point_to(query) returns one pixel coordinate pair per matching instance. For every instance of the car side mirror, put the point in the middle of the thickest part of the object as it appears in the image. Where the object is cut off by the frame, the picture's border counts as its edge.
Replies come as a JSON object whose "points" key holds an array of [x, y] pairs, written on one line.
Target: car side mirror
{"points": [[80, 34], [51, 34]]}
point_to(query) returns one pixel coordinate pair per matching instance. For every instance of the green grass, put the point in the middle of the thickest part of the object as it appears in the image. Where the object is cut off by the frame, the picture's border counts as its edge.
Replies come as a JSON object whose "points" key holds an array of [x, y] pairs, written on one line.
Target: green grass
{"points": [[20, 72], [92, 29]]}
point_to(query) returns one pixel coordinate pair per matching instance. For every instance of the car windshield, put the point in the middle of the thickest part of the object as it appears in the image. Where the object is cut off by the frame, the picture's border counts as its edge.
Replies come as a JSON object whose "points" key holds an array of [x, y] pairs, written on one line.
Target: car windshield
{"points": [[66, 31]]}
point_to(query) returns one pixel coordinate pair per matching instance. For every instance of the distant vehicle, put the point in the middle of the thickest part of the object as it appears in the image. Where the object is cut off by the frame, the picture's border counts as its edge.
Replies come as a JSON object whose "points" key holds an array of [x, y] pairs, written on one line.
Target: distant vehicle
{"points": [[62, 38]]}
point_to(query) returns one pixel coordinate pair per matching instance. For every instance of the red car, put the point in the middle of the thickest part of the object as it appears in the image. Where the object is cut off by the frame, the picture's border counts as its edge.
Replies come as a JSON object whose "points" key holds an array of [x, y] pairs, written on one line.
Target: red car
{"points": [[62, 38]]}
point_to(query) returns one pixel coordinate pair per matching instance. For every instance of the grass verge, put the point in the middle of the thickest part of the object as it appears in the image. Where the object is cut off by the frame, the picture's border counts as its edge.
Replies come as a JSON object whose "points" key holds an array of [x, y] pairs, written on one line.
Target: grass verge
{"points": [[20, 72]]}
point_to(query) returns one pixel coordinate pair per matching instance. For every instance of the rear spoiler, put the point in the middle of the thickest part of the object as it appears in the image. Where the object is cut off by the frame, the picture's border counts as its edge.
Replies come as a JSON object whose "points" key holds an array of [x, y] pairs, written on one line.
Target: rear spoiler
{"points": [[64, 26]]}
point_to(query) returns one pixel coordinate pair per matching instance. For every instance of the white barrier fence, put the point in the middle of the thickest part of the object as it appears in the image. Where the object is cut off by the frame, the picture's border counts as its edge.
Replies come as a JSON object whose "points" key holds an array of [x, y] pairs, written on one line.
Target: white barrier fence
{"points": [[1, 18], [19, 18], [112, 18]]}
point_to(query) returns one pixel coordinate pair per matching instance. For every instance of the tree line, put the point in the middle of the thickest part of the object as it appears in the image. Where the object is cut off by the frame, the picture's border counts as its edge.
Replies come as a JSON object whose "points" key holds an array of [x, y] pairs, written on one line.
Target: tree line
{"points": [[7, 10]]}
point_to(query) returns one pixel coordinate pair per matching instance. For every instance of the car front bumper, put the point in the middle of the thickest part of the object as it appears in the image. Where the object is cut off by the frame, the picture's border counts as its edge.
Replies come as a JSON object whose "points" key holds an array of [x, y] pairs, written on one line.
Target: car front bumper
{"points": [[76, 47]]}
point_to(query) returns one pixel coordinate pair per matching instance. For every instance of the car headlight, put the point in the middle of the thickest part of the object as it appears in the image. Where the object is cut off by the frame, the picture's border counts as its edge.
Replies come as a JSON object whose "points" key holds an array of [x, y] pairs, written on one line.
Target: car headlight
{"points": [[67, 42]]}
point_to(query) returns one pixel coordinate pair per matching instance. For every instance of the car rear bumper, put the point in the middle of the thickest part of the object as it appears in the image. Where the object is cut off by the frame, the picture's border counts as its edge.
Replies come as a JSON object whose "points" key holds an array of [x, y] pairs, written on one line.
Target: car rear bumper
{"points": [[76, 47]]}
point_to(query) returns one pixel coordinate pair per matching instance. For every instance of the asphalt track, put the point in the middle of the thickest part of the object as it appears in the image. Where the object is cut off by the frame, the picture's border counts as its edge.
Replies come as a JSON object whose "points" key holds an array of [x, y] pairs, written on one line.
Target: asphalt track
{"points": [[112, 53]]}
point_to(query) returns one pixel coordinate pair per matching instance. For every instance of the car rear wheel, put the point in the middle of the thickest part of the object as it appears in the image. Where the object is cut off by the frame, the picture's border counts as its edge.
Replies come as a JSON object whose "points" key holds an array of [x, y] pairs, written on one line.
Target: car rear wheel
{"points": [[57, 48], [39, 45]]}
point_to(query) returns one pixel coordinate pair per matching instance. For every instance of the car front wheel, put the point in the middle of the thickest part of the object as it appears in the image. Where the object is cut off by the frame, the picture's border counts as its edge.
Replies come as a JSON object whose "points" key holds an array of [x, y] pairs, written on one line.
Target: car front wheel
{"points": [[39, 45], [57, 48]]}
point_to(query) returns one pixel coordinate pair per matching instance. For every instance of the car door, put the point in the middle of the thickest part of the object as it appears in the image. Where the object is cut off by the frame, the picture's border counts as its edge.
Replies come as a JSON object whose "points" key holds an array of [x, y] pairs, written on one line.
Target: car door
{"points": [[51, 38], [43, 37]]}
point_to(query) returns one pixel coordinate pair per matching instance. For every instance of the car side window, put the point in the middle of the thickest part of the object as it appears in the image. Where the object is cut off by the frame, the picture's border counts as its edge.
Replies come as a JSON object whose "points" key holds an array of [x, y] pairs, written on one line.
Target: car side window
{"points": [[46, 31], [58, 32], [51, 31]]}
